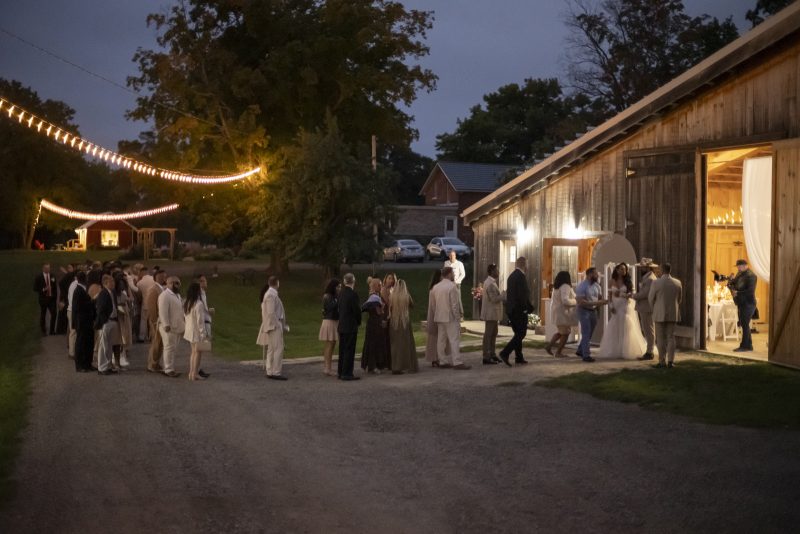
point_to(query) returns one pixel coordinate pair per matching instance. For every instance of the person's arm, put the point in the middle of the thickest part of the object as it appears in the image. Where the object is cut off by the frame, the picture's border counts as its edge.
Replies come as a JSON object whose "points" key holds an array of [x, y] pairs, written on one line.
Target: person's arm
{"points": [[651, 296], [567, 296], [455, 303]]}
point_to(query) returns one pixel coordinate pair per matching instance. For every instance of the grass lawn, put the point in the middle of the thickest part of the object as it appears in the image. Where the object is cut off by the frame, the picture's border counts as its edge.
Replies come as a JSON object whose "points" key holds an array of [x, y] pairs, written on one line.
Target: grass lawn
{"points": [[19, 341], [734, 392], [238, 312]]}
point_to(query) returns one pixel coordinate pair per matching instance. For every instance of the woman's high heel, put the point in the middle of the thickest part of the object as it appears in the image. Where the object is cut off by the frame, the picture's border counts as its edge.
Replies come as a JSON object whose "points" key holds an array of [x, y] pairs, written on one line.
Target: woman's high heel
{"points": [[435, 364]]}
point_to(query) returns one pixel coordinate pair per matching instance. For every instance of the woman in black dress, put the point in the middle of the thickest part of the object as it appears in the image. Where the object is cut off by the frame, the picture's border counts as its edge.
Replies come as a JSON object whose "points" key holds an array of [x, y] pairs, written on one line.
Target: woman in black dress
{"points": [[375, 356]]}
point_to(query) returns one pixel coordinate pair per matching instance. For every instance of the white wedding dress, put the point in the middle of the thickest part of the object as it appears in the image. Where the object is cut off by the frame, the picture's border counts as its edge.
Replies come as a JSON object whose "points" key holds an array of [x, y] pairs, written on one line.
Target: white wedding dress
{"points": [[622, 336]]}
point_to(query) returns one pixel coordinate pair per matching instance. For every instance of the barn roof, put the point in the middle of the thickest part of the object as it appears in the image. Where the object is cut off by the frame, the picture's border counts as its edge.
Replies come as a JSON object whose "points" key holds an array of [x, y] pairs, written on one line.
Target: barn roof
{"points": [[88, 224], [709, 72], [470, 177]]}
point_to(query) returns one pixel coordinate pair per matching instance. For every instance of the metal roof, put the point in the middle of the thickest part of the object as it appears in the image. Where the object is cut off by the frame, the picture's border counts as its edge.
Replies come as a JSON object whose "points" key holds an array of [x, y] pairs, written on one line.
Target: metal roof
{"points": [[468, 177]]}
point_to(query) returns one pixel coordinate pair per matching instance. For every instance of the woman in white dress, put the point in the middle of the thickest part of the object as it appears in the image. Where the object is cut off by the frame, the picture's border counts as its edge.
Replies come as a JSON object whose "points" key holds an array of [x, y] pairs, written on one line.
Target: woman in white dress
{"points": [[197, 331], [563, 309], [622, 336]]}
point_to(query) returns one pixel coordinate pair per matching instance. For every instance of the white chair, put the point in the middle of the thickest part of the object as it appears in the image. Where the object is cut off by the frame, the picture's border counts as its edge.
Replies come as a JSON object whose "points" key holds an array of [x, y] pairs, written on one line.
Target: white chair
{"points": [[729, 319]]}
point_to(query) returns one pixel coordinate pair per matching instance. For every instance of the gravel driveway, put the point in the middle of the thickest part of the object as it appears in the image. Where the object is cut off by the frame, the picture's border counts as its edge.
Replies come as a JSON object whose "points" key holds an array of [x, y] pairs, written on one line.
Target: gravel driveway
{"points": [[440, 451]]}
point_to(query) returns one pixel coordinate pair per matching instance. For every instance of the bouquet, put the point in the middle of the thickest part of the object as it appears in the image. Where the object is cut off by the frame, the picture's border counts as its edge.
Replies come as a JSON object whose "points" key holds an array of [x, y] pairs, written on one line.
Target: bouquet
{"points": [[477, 292], [533, 320]]}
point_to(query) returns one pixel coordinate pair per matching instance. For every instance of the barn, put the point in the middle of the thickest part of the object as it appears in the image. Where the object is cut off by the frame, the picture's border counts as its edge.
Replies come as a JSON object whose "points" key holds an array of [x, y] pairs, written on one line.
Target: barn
{"points": [[106, 234], [699, 173]]}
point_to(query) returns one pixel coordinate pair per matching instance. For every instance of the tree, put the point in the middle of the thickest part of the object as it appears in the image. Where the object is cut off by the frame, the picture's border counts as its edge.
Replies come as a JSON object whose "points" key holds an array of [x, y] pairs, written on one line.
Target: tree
{"points": [[410, 171], [765, 8], [622, 50], [323, 202], [519, 124], [248, 76]]}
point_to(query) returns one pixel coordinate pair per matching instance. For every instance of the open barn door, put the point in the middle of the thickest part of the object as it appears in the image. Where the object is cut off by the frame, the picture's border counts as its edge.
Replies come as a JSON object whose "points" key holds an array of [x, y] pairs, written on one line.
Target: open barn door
{"points": [[784, 347], [663, 216]]}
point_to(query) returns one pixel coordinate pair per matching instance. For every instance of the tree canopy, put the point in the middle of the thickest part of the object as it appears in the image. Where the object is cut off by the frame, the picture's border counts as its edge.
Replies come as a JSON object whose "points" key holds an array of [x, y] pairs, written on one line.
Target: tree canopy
{"points": [[765, 8]]}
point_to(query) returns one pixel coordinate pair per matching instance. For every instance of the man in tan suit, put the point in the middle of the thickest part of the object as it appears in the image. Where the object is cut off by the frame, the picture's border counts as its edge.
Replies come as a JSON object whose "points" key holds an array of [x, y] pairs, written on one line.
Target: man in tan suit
{"points": [[171, 323], [491, 313], [665, 301], [273, 326], [643, 307], [156, 353], [447, 314]]}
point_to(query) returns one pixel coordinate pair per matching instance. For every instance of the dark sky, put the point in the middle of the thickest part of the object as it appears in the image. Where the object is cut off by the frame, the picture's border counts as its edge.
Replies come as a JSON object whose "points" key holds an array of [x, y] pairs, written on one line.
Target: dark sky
{"points": [[476, 46]]}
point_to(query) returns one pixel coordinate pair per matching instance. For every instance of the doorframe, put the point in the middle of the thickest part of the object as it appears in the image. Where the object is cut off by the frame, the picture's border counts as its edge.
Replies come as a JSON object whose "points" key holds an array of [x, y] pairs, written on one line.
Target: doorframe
{"points": [[453, 218]]}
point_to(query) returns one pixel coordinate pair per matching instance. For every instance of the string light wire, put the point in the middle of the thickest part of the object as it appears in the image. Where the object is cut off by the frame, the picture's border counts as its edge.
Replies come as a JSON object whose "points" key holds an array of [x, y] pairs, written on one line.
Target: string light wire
{"points": [[73, 214]]}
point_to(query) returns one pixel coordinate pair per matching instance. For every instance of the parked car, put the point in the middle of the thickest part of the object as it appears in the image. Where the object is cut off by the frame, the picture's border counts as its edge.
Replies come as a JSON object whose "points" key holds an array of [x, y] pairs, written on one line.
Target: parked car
{"points": [[404, 250], [440, 248]]}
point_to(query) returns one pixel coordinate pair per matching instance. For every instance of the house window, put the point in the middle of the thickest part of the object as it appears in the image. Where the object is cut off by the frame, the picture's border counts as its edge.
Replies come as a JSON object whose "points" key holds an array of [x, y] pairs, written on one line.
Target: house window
{"points": [[449, 223], [109, 238], [512, 253]]}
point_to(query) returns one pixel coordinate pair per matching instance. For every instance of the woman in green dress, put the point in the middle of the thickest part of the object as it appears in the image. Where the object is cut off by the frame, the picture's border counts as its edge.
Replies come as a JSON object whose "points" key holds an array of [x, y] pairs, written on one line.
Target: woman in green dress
{"points": [[403, 349]]}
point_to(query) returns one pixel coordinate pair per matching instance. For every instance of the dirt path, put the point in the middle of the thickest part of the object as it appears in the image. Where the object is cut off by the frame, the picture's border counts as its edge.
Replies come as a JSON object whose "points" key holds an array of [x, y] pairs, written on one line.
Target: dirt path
{"points": [[441, 451]]}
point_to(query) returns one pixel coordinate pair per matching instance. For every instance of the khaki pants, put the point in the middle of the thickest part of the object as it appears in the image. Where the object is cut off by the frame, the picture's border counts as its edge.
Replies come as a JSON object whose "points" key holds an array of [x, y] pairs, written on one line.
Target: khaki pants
{"points": [[449, 333], [171, 341], [71, 336], [156, 352], [648, 329], [274, 352], [489, 339], [105, 352], [665, 339]]}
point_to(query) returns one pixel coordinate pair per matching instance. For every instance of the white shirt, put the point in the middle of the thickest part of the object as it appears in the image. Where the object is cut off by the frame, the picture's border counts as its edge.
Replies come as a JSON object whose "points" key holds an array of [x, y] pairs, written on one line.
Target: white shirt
{"points": [[70, 292], [458, 270]]}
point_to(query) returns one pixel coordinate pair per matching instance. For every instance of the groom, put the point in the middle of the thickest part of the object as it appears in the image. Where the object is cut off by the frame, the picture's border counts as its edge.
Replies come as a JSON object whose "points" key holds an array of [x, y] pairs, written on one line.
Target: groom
{"points": [[643, 306], [665, 300]]}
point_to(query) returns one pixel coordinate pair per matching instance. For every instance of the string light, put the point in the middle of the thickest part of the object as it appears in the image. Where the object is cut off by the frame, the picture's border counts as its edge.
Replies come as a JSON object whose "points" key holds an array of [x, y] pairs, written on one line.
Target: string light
{"points": [[72, 214], [34, 122]]}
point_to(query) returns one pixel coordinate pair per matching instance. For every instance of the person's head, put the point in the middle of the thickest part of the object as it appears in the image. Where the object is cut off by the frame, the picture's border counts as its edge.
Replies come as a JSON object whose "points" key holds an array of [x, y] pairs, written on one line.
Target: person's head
{"points": [[400, 301], [375, 285], [174, 284], [452, 255], [107, 282], [447, 272], [120, 283], [741, 265], [349, 280], [192, 296], [70, 268], [521, 264], [562, 278], [143, 271], [492, 271], [666, 268], [592, 275], [46, 268], [436, 278], [332, 288], [274, 282], [389, 280], [202, 280], [160, 277], [81, 277], [620, 271]]}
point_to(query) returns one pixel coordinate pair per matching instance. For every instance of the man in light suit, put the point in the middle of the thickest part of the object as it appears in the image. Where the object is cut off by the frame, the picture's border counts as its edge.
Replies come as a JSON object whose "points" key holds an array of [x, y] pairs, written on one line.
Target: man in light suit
{"points": [[447, 314], [665, 298], [171, 322], [273, 324], [107, 325], [143, 285], [491, 313], [643, 308], [155, 355]]}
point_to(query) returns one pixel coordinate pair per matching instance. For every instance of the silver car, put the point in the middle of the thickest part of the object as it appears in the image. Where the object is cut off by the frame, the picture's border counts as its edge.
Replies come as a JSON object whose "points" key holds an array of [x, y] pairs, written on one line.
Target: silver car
{"points": [[404, 250], [440, 248]]}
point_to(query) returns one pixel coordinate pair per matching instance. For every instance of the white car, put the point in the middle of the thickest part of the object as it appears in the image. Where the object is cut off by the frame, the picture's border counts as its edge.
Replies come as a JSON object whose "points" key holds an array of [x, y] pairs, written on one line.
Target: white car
{"points": [[440, 248], [404, 250]]}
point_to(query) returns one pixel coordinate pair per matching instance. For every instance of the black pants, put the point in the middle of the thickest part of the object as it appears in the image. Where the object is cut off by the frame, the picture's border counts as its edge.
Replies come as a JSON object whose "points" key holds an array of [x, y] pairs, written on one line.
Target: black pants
{"points": [[84, 347], [746, 312], [47, 305], [347, 353], [519, 324]]}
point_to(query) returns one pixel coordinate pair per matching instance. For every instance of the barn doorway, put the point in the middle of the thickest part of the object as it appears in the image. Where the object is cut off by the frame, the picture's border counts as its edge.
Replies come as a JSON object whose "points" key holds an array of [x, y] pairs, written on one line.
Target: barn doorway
{"points": [[738, 226]]}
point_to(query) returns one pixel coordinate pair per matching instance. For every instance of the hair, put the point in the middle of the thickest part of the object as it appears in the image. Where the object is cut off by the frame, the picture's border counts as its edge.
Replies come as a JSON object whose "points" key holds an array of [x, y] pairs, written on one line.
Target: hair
{"points": [[349, 279], [562, 278], [120, 284], [490, 268], [81, 277], [447, 271], [192, 296], [386, 278], [375, 285], [591, 270], [330, 289], [272, 281], [400, 302], [521, 261], [666, 268], [436, 278]]}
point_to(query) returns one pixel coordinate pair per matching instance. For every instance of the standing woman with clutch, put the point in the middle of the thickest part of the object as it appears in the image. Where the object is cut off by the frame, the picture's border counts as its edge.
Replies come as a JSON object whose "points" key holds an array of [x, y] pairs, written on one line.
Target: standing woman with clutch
{"points": [[328, 331], [196, 333]]}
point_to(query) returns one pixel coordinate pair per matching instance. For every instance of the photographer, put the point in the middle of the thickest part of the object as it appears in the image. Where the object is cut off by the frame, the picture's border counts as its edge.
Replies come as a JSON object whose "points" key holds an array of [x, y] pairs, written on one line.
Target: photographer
{"points": [[743, 289]]}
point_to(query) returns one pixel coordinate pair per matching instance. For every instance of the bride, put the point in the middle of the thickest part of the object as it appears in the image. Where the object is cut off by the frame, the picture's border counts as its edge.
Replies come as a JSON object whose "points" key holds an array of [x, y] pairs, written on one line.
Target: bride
{"points": [[622, 336]]}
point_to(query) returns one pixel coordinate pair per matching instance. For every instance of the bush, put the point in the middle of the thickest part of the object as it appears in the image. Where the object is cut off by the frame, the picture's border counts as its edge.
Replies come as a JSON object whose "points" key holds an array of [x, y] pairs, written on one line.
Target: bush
{"points": [[219, 254], [135, 252], [246, 254]]}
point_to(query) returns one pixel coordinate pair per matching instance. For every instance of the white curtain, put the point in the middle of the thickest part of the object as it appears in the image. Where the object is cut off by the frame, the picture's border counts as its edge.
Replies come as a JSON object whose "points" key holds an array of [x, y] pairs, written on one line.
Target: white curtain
{"points": [[757, 213]]}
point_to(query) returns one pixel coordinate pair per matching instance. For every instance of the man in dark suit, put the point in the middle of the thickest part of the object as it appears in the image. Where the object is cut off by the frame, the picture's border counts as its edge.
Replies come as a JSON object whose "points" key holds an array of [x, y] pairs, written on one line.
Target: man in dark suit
{"points": [[744, 296], [518, 305], [45, 287], [349, 321], [83, 323]]}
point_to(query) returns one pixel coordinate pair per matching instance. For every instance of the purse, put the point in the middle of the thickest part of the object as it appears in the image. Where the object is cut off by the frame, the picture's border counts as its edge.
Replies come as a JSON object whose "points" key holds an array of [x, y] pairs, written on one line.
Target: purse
{"points": [[204, 345]]}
